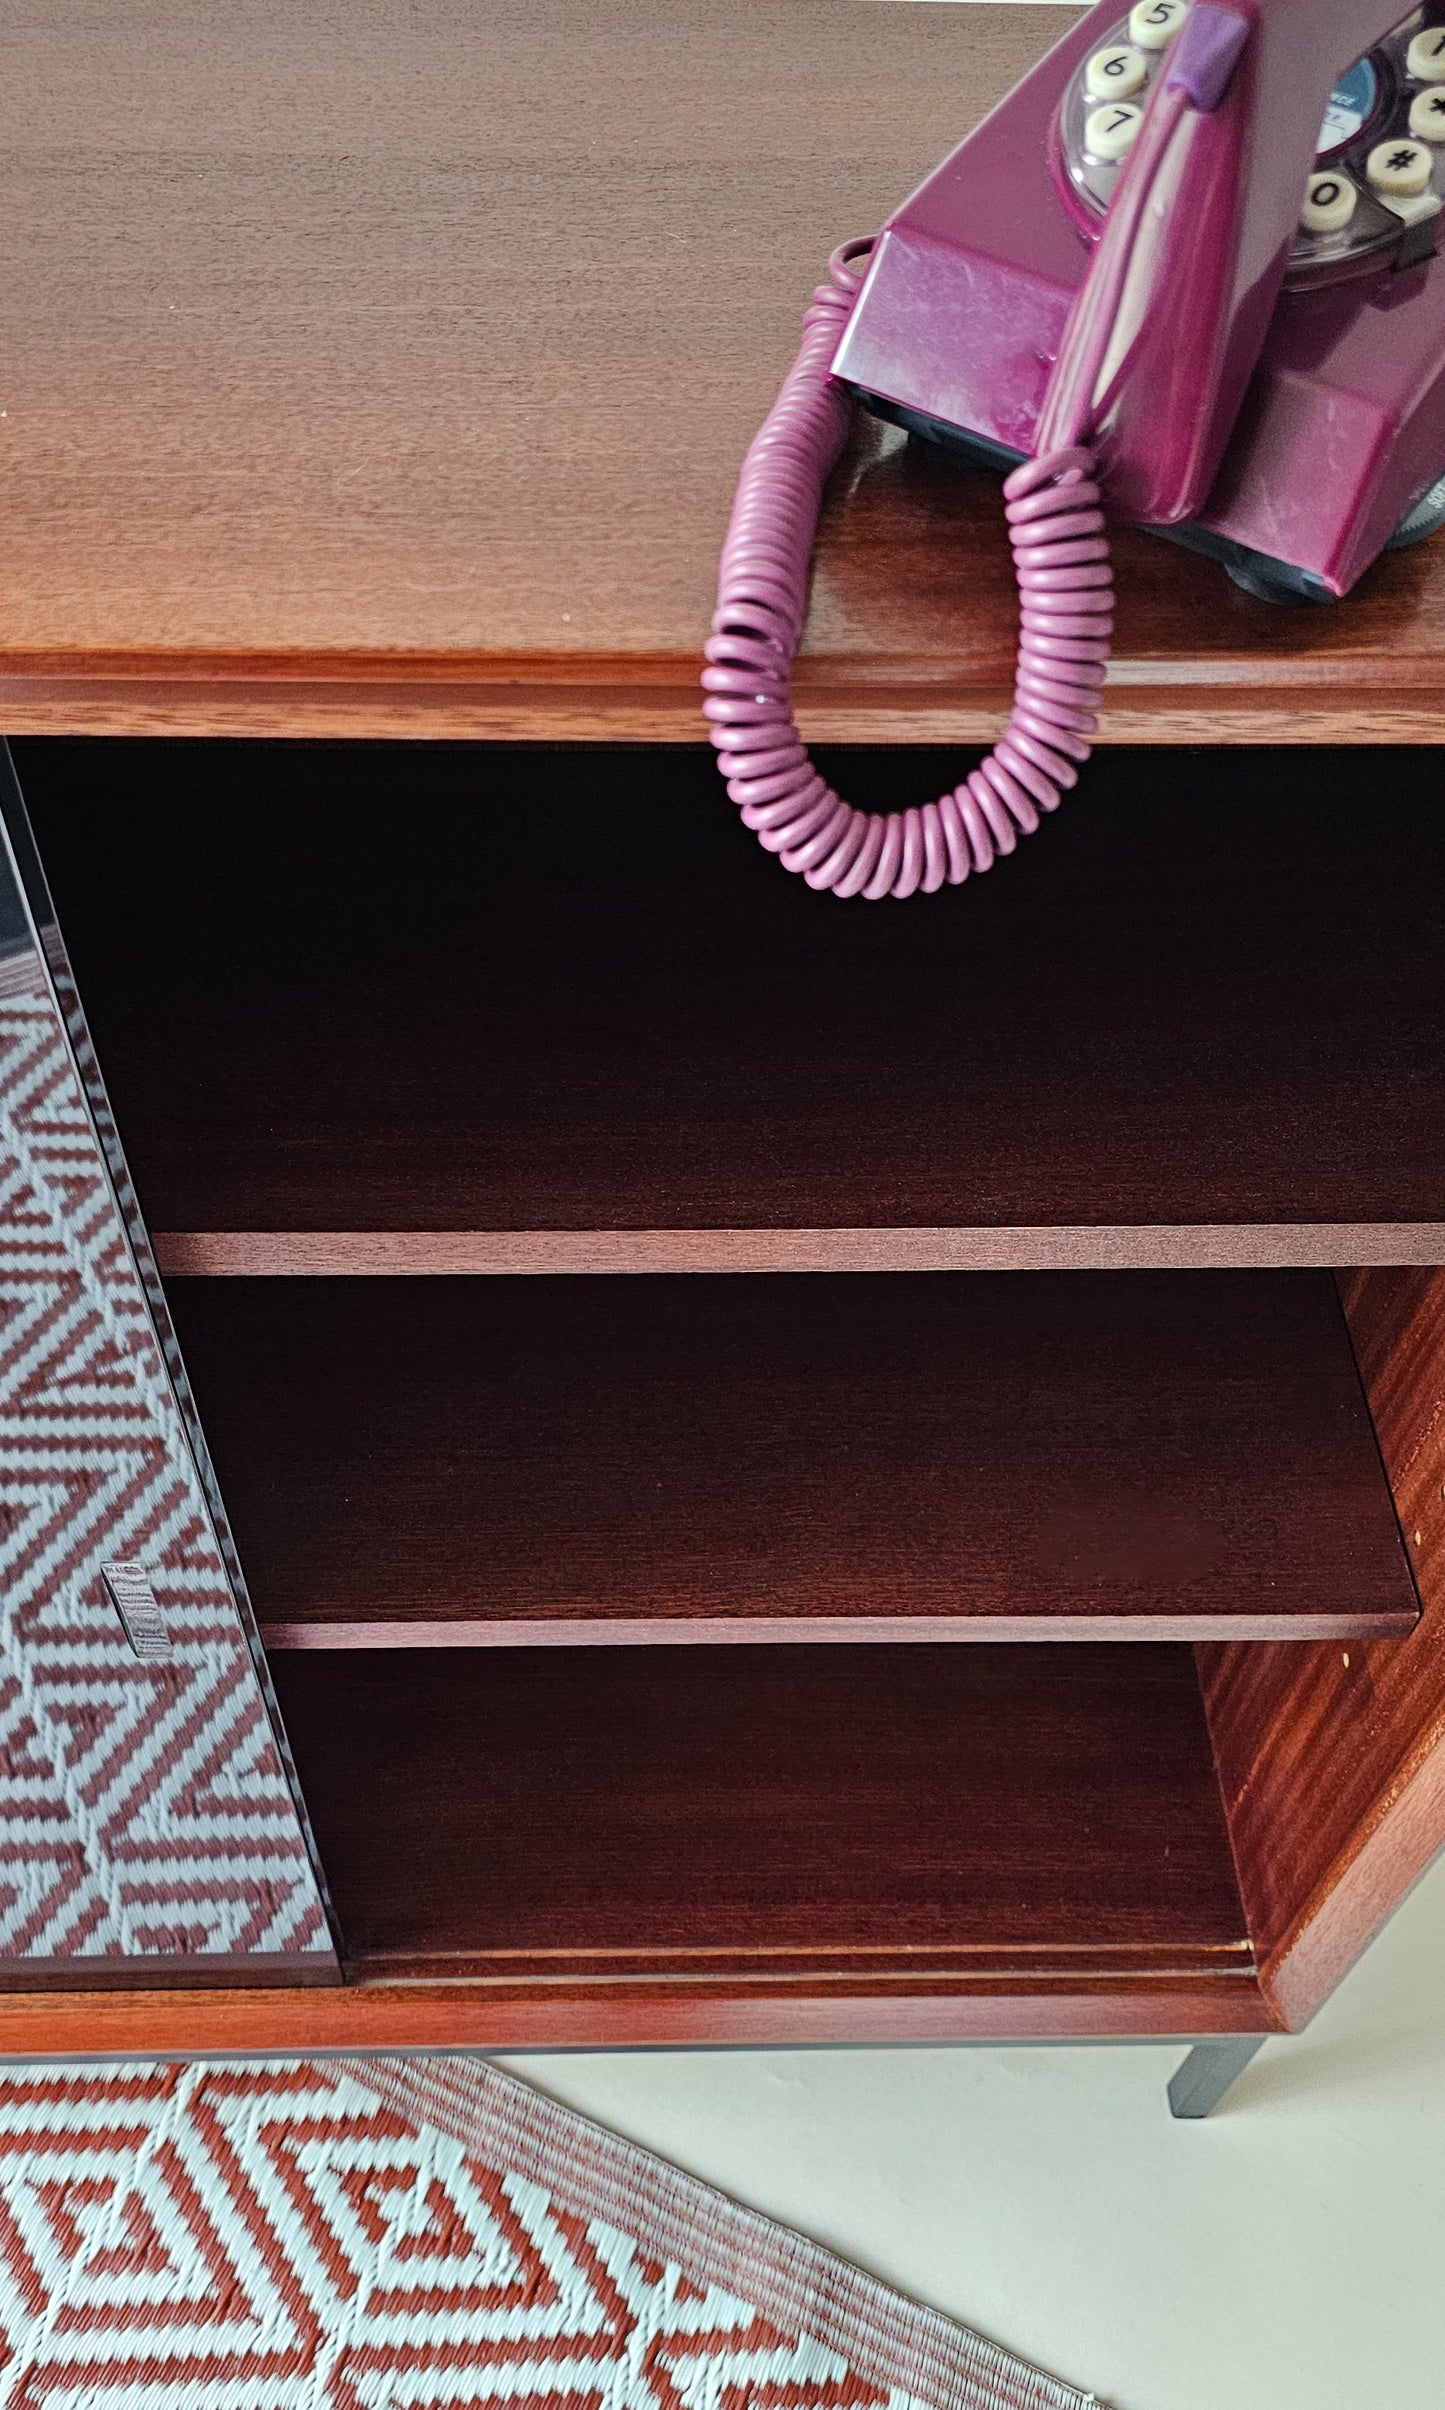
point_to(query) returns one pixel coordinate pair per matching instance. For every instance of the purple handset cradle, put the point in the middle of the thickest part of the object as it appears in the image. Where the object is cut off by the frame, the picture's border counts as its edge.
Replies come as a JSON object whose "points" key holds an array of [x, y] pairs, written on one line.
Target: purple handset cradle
{"points": [[1281, 398], [1184, 276]]}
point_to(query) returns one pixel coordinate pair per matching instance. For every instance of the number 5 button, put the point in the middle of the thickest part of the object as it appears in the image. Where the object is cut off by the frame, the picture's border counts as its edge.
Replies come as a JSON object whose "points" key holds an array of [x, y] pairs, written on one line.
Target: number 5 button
{"points": [[1154, 23], [1329, 204], [1114, 74]]}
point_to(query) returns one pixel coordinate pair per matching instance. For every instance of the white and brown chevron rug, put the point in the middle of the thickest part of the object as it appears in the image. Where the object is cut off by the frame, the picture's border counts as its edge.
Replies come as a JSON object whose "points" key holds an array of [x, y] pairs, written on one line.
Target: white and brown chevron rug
{"points": [[418, 2234]]}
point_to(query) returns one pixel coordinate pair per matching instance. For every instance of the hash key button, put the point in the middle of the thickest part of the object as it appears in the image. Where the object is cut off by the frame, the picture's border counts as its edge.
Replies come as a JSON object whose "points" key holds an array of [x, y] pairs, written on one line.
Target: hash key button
{"points": [[1399, 167], [1114, 74], [1427, 114]]}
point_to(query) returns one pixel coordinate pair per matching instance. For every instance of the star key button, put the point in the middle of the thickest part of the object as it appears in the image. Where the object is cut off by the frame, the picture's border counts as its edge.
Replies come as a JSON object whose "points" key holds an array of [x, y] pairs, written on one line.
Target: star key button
{"points": [[1427, 114]]}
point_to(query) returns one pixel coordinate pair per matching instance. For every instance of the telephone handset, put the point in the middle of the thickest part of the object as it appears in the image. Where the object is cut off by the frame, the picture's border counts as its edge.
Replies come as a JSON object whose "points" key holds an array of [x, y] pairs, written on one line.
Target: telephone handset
{"points": [[1186, 271]]}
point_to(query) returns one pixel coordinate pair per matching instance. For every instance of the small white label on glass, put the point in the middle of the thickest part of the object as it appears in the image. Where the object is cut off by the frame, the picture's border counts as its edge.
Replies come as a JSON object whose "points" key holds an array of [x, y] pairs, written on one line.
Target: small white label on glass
{"points": [[135, 1603]]}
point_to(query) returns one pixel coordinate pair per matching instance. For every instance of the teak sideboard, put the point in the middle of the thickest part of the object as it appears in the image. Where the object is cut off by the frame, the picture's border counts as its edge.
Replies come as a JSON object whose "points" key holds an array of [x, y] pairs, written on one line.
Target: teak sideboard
{"points": [[600, 1449]]}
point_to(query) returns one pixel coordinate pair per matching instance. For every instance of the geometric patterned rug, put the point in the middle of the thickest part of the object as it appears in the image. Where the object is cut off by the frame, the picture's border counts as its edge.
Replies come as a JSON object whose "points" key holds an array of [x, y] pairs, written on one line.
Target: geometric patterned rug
{"points": [[144, 1810], [418, 2234]]}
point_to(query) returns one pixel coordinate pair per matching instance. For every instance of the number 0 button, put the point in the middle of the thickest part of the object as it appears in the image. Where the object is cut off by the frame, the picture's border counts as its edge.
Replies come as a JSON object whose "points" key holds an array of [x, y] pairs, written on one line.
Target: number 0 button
{"points": [[1114, 74], [1425, 57], [1109, 131], [1399, 167], [1329, 204], [1154, 23]]}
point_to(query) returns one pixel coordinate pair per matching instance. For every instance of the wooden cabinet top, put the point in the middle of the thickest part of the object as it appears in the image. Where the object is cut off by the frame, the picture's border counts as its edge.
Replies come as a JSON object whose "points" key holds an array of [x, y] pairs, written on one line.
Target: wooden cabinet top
{"points": [[382, 370]]}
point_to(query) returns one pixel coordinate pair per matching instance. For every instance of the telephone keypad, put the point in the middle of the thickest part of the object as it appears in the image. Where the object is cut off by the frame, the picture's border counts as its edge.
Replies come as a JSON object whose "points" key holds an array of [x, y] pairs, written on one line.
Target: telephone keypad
{"points": [[1109, 131], [1154, 23], [1427, 114], [1425, 58], [1399, 167], [1114, 73], [1379, 173], [1329, 202]]}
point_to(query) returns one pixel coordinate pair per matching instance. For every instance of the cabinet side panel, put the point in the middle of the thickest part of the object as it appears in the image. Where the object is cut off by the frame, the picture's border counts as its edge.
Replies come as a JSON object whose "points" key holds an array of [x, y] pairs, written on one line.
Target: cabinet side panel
{"points": [[1331, 1756]]}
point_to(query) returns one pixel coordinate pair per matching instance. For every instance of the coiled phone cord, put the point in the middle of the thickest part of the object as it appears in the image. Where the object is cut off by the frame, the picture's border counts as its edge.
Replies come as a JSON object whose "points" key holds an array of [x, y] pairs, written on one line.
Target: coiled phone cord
{"points": [[1066, 593]]}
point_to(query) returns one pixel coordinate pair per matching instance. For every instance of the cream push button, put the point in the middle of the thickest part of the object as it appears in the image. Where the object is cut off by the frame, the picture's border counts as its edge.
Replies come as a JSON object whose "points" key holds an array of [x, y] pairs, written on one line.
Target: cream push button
{"points": [[1329, 203], [1109, 131], [1399, 167], [1425, 57], [1114, 74], [1154, 23], [1427, 114]]}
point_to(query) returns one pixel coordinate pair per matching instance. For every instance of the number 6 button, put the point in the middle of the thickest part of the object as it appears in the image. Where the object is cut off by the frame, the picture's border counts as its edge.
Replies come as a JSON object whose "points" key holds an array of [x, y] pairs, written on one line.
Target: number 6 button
{"points": [[1329, 204], [1114, 74]]}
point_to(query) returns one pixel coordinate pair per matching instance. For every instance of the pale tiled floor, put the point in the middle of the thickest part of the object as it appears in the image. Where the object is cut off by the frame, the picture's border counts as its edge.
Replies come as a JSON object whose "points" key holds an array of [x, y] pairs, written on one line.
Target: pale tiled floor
{"points": [[1287, 2255]]}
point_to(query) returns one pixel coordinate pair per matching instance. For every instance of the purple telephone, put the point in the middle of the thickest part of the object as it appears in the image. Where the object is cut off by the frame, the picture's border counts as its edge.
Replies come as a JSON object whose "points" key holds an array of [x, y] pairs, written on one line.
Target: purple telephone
{"points": [[1186, 270]]}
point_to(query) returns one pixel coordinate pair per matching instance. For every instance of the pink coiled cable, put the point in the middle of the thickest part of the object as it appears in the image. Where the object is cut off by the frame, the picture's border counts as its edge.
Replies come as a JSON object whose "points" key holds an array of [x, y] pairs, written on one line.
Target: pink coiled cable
{"points": [[1066, 589]]}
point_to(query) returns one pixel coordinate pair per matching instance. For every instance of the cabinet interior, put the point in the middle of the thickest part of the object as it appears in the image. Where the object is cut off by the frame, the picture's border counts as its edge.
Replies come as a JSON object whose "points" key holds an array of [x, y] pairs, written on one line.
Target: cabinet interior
{"points": [[544, 1013], [768, 1815], [727, 1457], [346, 994]]}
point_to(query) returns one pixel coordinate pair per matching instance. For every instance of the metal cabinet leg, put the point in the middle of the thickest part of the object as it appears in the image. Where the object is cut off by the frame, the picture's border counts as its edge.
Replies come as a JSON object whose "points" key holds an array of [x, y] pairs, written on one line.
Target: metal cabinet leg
{"points": [[1206, 2075]]}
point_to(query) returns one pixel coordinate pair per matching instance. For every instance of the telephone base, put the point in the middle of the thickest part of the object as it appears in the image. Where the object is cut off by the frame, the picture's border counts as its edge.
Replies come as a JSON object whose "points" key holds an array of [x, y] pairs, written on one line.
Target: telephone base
{"points": [[1259, 573]]}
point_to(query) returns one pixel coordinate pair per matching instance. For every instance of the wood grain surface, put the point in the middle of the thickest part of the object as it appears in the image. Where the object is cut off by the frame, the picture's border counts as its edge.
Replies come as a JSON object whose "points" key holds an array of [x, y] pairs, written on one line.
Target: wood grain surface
{"points": [[381, 1008], [500, 2016], [998, 1456], [1197, 1246], [1332, 1760], [386, 370], [796, 1819]]}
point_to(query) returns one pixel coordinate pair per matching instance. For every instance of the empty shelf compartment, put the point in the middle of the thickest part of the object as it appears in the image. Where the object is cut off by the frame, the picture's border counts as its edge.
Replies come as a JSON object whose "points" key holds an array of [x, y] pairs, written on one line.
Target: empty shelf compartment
{"points": [[869, 1457]]}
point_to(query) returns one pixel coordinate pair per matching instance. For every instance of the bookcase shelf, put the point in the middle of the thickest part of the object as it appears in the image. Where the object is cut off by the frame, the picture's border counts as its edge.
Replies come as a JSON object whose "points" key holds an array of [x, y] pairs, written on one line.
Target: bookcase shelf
{"points": [[482, 1463], [769, 1818], [519, 1010]]}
